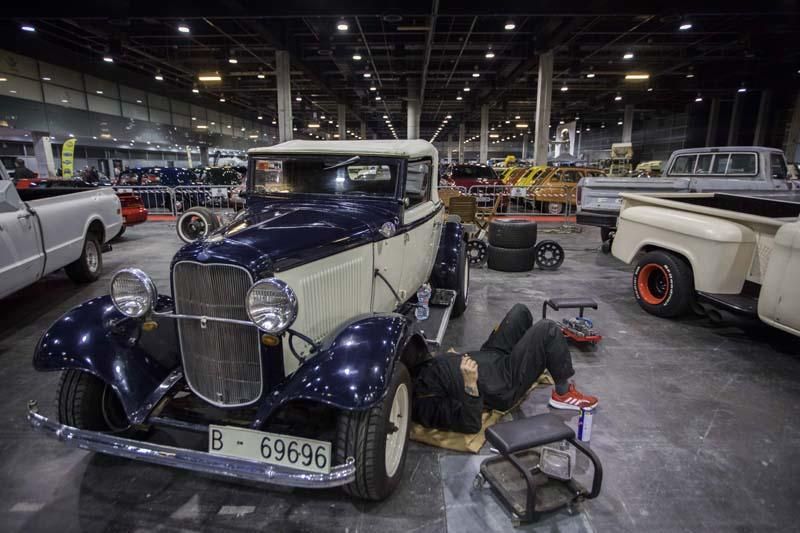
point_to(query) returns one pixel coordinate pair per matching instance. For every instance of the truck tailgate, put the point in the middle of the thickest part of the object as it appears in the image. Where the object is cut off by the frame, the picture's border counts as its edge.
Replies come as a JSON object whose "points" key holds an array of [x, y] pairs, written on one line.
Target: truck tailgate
{"points": [[602, 194]]}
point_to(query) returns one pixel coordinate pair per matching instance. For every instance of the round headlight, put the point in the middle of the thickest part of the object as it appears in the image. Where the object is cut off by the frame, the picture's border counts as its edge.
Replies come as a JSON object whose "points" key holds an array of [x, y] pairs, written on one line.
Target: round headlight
{"points": [[271, 305], [133, 292]]}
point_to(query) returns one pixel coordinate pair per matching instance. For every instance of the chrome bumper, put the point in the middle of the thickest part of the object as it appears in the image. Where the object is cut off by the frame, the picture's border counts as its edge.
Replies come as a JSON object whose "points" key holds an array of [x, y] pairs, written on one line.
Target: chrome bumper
{"points": [[190, 459]]}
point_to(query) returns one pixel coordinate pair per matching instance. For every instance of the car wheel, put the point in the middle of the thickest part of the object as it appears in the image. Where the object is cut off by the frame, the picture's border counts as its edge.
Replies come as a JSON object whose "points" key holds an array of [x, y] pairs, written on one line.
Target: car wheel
{"points": [[377, 439], [476, 252], [555, 208], [196, 223], [89, 265], [549, 255], [462, 284], [663, 284], [87, 402], [510, 259], [514, 233], [607, 234]]}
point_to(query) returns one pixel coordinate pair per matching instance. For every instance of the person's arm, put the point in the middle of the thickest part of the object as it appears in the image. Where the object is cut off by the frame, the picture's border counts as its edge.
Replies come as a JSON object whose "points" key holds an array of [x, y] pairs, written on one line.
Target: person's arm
{"points": [[458, 411]]}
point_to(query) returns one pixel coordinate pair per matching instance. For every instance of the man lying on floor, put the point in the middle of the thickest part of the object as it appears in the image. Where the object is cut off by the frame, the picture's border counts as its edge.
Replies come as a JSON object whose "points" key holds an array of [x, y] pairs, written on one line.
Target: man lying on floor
{"points": [[451, 390]]}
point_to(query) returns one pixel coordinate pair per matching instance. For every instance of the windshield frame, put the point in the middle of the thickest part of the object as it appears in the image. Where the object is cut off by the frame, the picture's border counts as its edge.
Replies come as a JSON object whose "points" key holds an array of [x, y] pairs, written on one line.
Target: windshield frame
{"points": [[399, 185]]}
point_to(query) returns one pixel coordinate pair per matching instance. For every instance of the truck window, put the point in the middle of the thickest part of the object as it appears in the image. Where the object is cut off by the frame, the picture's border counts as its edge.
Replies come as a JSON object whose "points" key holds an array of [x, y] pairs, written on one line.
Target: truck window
{"points": [[684, 164], [778, 166], [703, 164], [742, 165], [418, 178], [720, 163]]}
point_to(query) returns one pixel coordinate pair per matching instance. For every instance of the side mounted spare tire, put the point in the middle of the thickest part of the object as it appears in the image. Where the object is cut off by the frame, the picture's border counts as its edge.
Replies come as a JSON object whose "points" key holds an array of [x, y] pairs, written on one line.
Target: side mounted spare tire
{"points": [[663, 284], [514, 233], [511, 259], [196, 223]]}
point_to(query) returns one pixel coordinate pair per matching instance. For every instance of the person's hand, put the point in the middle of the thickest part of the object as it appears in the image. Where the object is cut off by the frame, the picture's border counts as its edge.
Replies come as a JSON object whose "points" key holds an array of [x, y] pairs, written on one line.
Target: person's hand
{"points": [[469, 370]]}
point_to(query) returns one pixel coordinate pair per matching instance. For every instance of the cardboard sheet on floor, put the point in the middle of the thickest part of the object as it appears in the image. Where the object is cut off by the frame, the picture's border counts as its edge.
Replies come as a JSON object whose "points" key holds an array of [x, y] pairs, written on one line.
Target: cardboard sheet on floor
{"points": [[463, 442]]}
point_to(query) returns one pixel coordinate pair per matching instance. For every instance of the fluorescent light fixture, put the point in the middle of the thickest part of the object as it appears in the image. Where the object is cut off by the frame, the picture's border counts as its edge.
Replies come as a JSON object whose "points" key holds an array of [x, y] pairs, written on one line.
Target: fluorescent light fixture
{"points": [[385, 116], [367, 75], [202, 127], [641, 76], [99, 92], [313, 125], [221, 98], [649, 89], [194, 118], [261, 75], [459, 97], [195, 90], [619, 123], [590, 75], [183, 28], [516, 117], [494, 135], [356, 57], [260, 117], [64, 101], [685, 26], [209, 77], [298, 98], [378, 98], [741, 90], [698, 99], [521, 125], [510, 25], [44, 78], [108, 59], [342, 25], [690, 75], [448, 117], [627, 55], [373, 88], [618, 98], [508, 122], [489, 55], [560, 121], [138, 101], [159, 77], [467, 89], [27, 27], [476, 74], [233, 60], [253, 136], [564, 88]]}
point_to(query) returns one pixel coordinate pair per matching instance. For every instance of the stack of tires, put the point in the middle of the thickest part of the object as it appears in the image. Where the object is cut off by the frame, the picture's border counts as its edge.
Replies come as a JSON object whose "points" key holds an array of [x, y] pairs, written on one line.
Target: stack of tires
{"points": [[511, 245]]}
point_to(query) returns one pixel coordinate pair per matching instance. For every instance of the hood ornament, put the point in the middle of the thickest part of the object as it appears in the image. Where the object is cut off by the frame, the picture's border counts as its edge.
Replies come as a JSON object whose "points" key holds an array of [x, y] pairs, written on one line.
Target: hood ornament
{"points": [[388, 229]]}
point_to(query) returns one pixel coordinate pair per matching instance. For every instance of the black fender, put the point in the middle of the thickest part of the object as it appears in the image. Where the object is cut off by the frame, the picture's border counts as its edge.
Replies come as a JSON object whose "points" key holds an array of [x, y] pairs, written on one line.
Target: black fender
{"points": [[352, 369], [448, 257], [96, 338]]}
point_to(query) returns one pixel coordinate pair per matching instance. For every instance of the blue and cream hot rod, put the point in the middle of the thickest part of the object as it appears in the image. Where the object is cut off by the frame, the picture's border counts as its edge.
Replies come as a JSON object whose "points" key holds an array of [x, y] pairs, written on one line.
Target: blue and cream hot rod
{"points": [[289, 333]]}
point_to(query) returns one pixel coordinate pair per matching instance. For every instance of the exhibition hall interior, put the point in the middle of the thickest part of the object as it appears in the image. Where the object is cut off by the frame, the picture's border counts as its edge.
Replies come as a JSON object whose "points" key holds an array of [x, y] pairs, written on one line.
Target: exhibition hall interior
{"points": [[427, 266]]}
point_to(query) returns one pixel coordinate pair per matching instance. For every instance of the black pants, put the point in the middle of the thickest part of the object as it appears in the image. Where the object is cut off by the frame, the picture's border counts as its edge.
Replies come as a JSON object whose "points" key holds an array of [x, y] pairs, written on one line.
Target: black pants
{"points": [[516, 354]]}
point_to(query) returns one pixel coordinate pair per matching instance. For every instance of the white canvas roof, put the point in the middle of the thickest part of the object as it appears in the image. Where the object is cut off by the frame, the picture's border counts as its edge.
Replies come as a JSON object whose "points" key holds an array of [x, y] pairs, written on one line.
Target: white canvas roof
{"points": [[405, 148]]}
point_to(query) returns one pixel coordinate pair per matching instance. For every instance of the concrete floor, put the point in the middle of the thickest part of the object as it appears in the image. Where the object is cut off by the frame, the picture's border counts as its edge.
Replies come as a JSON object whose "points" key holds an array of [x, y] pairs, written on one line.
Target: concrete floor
{"points": [[695, 429]]}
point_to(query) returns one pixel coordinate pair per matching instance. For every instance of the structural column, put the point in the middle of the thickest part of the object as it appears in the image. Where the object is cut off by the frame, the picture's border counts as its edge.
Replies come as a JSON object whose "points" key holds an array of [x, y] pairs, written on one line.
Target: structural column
{"points": [[713, 123], [484, 153], [412, 124], [762, 122], [544, 101], [793, 135], [204, 156], [284, 95], [43, 151], [363, 132], [627, 124], [524, 146], [733, 129], [449, 148], [341, 111], [461, 134]]}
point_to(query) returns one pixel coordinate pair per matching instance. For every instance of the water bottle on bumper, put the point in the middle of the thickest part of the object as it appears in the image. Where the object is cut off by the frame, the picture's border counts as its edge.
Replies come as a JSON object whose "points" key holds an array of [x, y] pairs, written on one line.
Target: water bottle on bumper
{"points": [[423, 300]]}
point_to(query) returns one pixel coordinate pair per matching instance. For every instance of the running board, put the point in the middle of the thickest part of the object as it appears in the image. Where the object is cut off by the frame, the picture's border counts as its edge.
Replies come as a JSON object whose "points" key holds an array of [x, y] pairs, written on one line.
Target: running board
{"points": [[439, 310], [739, 304]]}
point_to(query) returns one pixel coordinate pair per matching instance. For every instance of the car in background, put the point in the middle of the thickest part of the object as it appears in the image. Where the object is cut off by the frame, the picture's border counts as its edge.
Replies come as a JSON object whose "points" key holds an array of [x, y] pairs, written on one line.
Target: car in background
{"points": [[133, 211], [555, 191], [157, 188], [485, 180]]}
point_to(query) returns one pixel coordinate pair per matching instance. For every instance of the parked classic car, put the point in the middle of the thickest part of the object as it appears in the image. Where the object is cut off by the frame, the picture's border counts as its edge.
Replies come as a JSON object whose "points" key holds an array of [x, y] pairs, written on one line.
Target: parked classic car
{"points": [[295, 320], [554, 189], [43, 229]]}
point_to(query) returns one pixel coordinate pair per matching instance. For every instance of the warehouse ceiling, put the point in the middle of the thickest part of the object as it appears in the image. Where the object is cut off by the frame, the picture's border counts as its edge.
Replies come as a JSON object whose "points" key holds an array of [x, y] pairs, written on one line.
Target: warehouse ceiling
{"points": [[368, 56]]}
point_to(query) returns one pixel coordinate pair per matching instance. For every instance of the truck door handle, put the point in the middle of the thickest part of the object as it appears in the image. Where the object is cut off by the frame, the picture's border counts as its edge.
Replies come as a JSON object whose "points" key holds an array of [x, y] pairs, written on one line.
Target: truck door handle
{"points": [[24, 216]]}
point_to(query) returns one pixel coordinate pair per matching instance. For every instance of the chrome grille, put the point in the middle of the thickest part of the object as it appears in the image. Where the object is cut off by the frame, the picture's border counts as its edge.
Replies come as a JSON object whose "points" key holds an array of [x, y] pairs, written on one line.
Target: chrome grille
{"points": [[221, 361]]}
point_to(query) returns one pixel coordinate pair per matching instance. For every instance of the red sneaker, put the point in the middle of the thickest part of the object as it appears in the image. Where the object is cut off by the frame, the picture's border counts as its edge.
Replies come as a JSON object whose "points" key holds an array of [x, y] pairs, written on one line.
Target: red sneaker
{"points": [[572, 400]]}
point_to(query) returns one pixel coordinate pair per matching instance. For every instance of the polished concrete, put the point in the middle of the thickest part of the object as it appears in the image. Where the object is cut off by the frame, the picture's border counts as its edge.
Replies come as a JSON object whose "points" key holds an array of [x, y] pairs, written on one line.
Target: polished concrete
{"points": [[698, 428]]}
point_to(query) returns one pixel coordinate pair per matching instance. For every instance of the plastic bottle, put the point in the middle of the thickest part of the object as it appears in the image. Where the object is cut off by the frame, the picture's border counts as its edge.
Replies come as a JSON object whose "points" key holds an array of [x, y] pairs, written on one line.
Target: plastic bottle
{"points": [[423, 300]]}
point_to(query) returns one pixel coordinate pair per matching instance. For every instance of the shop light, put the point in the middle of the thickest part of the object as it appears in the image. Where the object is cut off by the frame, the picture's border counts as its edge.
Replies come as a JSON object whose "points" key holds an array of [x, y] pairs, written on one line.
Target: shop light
{"points": [[690, 75], [44, 78], [232, 60], [209, 77], [342, 25], [222, 99], [627, 55], [261, 75], [108, 59], [742, 89], [459, 97], [510, 25], [590, 75], [564, 88], [698, 98], [367, 75], [641, 76], [476, 74], [313, 125], [520, 125], [183, 28], [27, 27], [260, 117], [158, 76], [618, 97], [685, 26], [489, 55], [202, 127], [356, 57], [373, 88]]}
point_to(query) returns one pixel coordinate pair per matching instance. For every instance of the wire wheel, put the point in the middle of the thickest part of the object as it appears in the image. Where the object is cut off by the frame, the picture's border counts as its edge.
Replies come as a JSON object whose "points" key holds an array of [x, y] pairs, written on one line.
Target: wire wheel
{"points": [[549, 255], [476, 252]]}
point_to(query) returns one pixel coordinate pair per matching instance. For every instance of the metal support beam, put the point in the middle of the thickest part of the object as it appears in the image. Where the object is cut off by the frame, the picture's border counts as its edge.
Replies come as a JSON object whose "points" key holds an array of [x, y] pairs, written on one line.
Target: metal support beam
{"points": [[363, 133], [412, 122], [484, 153], [713, 123], [762, 121], [793, 135], [284, 95], [204, 156], [461, 134], [43, 151], [733, 129], [524, 146], [544, 101], [341, 112], [449, 149], [627, 124]]}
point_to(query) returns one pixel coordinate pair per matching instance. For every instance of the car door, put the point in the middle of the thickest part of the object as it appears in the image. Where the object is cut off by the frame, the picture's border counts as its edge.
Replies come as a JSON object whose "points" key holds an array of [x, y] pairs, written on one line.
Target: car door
{"points": [[21, 257], [422, 225]]}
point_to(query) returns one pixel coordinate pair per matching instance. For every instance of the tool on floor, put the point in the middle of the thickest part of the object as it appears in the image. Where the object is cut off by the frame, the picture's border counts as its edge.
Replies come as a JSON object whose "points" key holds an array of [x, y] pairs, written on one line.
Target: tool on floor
{"points": [[578, 329], [534, 472]]}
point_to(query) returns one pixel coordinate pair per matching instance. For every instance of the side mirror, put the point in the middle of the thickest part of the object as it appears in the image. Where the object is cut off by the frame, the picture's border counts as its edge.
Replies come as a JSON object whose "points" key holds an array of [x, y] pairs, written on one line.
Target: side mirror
{"points": [[9, 199], [406, 202]]}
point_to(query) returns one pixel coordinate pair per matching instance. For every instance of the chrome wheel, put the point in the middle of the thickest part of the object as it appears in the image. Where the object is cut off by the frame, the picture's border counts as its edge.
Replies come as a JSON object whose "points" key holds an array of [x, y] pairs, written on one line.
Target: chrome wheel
{"points": [[92, 255], [398, 429], [466, 281]]}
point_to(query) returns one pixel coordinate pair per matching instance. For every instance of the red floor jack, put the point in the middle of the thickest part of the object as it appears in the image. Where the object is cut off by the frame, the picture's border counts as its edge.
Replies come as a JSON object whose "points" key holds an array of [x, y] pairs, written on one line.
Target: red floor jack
{"points": [[579, 329]]}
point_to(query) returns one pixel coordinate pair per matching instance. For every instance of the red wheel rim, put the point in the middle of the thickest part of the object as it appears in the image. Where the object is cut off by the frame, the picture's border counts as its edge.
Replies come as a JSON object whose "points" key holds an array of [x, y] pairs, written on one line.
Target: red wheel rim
{"points": [[653, 284]]}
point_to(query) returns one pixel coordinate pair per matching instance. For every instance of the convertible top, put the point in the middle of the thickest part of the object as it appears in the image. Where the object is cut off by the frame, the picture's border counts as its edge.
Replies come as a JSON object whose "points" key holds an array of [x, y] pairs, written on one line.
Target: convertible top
{"points": [[414, 148]]}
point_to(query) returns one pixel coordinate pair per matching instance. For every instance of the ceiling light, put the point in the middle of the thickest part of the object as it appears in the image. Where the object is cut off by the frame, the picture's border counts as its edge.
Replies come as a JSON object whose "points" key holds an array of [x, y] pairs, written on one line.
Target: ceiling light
{"points": [[202, 127], [298, 98], [209, 77], [564, 87], [619, 123], [195, 90], [342, 25], [489, 55], [356, 57], [373, 88], [510, 25], [516, 117], [494, 135], [99, 91], [508, 122], [690, 75], [618, 97], [459, 97], [261, 75], [649, 89], [45, 78], [108, 59], [628, 55], [385, 116], [448, 117], [560, 121], [685, 26], [313, 125], [590, 75], [742, 89], [183, 28], [378, 98], [699, 98], [158, 76], [294, 129], [467, 89], [27, 27], [64, 101], [221, 98], [520, 125], [603, 125], [194, 118], [274, 122], [367, 75], [260, 117], [476, 74], [232, 60], [641, 76]]}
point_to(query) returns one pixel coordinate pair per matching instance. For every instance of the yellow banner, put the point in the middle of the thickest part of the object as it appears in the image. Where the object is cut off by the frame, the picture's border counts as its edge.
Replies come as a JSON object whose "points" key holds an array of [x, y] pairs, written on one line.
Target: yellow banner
{"points": [[68, 158]]}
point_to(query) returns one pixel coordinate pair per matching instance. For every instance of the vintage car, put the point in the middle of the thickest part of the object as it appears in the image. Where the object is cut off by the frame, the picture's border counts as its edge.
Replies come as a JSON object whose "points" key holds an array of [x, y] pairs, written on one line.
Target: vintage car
{"points": [[554, 190], [290, 335]]}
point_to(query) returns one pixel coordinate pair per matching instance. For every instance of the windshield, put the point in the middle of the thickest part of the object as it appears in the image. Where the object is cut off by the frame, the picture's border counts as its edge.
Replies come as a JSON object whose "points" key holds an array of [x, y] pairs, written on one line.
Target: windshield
{"points": [[472, 172], [334, 175]]}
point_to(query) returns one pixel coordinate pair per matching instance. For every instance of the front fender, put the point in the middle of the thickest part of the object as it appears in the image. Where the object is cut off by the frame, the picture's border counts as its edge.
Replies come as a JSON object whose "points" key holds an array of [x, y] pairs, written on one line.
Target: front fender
{"points": [[445, 269], [351, 371], [96, 338]]}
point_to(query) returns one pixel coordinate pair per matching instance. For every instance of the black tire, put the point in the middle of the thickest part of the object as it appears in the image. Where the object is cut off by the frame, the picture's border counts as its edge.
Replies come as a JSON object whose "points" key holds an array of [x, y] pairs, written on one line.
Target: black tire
{"points": [[89, 266], [462, 283], [119, 234], [86, 402], [510, 259], [549, 255], [607, 233], [663, 284], [196, 223], [512, 233], [362, 435], [477, 252]]}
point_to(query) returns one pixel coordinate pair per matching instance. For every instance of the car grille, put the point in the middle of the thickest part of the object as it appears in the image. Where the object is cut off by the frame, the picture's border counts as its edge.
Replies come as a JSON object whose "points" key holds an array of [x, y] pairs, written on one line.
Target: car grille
{"points": [[221, 361]]}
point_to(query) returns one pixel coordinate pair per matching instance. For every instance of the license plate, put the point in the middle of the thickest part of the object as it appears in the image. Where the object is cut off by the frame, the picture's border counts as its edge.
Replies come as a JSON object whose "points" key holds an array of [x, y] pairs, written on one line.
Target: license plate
{"points": [[272, 448], [484, 199], [217, 192]]}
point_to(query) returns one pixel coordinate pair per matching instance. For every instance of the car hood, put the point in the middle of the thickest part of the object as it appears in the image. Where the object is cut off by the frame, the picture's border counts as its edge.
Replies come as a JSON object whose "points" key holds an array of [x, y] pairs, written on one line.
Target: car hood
{"points": [[275, 235]]}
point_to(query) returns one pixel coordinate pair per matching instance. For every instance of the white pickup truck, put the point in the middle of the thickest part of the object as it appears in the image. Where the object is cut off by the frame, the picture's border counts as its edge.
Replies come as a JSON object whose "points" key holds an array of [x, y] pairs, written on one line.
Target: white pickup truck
{"points": [[725, 169], [730, 257], [55, 228]]}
